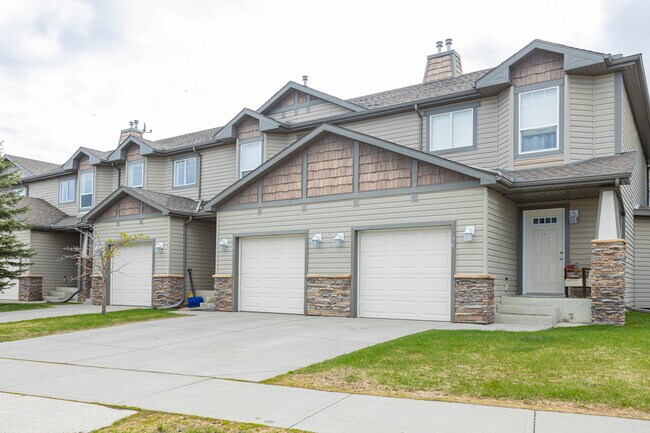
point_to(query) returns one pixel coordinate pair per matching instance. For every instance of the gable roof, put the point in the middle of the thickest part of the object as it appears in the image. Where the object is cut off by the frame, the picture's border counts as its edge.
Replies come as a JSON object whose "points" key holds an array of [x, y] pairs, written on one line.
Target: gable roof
{"points": [[292, 85], [266, 124], [33, 167], [485, 176], [40, 213], [94, 156], [168, 204]]}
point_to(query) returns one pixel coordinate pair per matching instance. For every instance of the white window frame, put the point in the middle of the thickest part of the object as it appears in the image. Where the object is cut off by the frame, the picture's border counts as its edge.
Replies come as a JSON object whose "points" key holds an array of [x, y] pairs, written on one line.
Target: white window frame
{"points": [[196, 171], [82, 194], [450, 114], [70, 197], [21, 191], [129, 177], [556, 124], [241, 171]]}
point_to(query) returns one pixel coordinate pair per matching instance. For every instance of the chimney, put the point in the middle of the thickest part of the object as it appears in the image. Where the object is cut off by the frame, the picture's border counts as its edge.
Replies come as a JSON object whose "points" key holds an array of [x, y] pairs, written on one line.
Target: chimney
{"points": [[131, 131], [442, 64]]}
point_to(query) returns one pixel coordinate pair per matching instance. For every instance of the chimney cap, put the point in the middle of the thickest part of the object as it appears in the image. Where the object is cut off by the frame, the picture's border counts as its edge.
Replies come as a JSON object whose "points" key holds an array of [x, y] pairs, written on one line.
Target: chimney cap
{"points": [[305, 78], [439, 46], [448, 43]]}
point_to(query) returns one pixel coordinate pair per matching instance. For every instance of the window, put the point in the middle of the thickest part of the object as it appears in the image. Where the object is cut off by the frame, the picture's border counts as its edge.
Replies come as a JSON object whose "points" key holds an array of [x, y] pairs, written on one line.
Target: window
{"points": [[250, 157], [185, 172], [86, 187], [545, 220], [66, 191], [135, 174], [539, 113], [451, 130]]}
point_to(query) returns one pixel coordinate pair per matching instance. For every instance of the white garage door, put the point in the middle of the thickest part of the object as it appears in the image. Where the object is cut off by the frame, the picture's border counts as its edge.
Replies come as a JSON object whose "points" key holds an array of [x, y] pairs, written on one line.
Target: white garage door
{"points": [[272, 274], [405, 274], [132, 284], [11, 292]]}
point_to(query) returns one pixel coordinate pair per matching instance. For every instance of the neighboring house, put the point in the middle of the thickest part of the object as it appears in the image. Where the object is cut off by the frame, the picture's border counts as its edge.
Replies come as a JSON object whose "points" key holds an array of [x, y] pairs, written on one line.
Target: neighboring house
{"points": [[459, 198]]}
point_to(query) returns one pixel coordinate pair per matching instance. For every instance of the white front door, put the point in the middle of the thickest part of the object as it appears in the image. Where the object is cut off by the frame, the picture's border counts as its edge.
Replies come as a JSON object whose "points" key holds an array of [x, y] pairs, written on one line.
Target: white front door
{"points": [[543, 246], [131, 281], [272, 274], [405, 273]]}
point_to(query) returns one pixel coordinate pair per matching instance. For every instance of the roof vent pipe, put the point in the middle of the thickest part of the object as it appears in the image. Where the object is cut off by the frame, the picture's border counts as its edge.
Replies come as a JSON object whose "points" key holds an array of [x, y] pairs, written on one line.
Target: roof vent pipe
{"points": [[305, 78], [439, 46], [448, 43]]}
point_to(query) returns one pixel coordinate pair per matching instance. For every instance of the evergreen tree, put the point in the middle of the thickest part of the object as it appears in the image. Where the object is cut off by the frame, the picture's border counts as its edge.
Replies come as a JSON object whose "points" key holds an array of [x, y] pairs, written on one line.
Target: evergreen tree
{"points": [[14, 255]]}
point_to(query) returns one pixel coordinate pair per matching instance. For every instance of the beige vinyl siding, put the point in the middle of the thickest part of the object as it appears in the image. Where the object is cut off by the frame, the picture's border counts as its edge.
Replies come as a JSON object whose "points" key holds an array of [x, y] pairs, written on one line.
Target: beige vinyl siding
{"points": [[48, 263], [502, 236], [191, 191], [331, 217], [642, 256], [505, 129], [275, 143], [541, 161], [154, 173], [399, 128], [485, 154], [635, 193], [591, 116], [201, 253], [321, 110], [175, 246], [156, 228], [24, 236], [48, 190], [104, 183], [121, 174], [583, 232], [219, 170]]}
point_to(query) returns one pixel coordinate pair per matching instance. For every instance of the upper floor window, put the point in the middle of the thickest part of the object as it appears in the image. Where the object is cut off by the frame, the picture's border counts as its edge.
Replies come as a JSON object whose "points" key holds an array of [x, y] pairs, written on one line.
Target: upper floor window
{"points": [[539, 118], [250, 157], [21, 191], [66, 191], [451, 130], [135, 174], [86, 189], [185, 172]]}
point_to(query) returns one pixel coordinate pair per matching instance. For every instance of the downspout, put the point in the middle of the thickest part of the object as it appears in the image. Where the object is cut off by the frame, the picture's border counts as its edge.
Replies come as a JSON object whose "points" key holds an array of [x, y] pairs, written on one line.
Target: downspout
{"points": [[119, 174], [182, 301], [421, 116], [199, 173]]}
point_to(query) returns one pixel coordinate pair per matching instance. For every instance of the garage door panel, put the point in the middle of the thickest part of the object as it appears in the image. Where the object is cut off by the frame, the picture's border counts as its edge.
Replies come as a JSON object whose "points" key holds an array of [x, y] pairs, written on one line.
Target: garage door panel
{"points": [[272, 274], [405, 274], [132, 284]]}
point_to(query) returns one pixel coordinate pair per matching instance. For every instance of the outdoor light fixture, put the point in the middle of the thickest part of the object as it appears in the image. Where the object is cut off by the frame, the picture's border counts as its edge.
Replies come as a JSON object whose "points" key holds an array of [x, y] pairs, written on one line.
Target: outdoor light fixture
{"points": [[574, 214], [316, 240], [223, 244], [158, 248], [469, 233], [338, 239]]}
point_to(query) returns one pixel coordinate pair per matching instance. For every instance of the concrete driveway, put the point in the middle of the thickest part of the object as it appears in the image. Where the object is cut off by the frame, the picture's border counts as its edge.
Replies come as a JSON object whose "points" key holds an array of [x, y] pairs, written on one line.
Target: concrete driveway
{"points": [[247, 346]]}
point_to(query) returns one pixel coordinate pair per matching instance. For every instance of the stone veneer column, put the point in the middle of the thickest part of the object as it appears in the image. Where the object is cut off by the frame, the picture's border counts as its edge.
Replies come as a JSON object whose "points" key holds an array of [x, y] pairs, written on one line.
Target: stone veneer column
{"points": [[328, 295], [608, 282], [474, 299], [85, 281], [223, 292], [96, 290], [30, 288], [167, 290]]}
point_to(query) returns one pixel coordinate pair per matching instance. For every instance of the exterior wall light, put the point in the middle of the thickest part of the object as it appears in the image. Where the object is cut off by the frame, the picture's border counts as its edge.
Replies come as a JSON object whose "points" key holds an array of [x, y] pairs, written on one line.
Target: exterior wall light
{"points": [[338, 239], [469, 233], [223, 244], [316, 240], [574, 214], [158, 248]]}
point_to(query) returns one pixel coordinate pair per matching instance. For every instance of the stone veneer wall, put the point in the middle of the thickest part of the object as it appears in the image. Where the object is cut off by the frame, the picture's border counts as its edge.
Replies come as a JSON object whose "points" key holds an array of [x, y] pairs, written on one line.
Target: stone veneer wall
{"points": [[474, 299], [608, 282], [96, 290], [167, 290], [30, 288], [223, 292], [328, 295]]}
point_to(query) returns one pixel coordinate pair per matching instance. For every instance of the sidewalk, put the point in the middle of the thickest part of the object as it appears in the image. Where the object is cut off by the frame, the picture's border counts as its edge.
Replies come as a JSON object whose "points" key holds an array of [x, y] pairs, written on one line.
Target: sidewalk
{"points": [[57, 310], [316, 411]]}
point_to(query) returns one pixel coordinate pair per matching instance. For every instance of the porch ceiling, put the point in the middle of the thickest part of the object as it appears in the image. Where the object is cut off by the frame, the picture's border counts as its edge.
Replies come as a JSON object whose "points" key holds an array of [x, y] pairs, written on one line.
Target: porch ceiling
{"points": [[556, 193]]}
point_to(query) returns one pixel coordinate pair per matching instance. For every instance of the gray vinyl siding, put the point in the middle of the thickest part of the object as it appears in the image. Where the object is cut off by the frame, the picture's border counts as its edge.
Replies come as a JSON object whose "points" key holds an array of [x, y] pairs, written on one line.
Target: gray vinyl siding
{"points": [[48, 190], [320, 110], [201, 253], [502, 235], [175, 246], [219, 170], [583, 232], [591, 107], [154, 172], [122, 175], [642, 256], [156, 228], [104, 183], [48, 261], [635, 193], [466, 206], [505, 129], [191, 191], [399, 128]]}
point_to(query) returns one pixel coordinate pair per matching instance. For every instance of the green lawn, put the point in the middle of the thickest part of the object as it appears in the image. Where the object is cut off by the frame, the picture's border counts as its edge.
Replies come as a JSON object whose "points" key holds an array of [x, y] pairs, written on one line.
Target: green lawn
{"points": [[593, 369], [159, 422], [6, 307], [58, 325]]}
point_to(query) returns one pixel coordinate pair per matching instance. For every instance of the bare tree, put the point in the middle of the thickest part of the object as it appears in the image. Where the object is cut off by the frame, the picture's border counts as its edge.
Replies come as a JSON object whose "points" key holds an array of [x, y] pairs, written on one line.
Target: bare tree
{"points": [[102, 254]]}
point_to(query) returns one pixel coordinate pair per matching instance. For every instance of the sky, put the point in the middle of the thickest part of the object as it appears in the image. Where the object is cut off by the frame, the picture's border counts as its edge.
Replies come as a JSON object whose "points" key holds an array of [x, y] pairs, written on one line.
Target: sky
{"points": [[74, 73]]}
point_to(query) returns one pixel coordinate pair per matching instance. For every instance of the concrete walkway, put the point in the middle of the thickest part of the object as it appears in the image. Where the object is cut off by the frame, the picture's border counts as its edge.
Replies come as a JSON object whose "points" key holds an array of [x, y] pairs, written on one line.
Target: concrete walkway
{"points": [[316, 411], [26, 414], [57, 310]]}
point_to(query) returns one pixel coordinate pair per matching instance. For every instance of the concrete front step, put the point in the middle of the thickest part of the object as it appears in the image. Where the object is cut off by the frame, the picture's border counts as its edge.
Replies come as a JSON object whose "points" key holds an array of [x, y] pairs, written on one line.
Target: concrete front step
{"points": [[525, 300], [541, 310], [525, 319]]}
